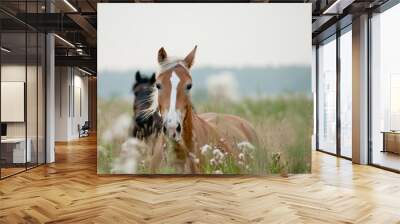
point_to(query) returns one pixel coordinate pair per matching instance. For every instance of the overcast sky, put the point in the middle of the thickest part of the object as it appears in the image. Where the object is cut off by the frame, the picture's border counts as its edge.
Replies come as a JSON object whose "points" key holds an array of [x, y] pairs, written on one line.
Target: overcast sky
{"points": [[227, 35]]}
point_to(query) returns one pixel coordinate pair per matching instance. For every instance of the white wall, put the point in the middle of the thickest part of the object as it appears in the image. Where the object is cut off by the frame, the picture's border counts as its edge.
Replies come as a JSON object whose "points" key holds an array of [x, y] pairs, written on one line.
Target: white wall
{"points": [[70, 83], [12, 73], [80, 89], [34, 125], [62, 82], [16, 73]]}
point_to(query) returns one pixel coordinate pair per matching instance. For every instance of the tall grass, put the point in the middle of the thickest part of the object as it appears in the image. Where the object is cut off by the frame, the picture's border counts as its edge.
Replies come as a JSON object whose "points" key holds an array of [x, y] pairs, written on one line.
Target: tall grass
{"points": [[283, 125]]}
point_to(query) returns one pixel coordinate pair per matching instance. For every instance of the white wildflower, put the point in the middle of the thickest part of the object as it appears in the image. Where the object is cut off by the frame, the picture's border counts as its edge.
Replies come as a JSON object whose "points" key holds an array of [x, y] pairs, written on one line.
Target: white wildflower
{"points": [[245, 146], [221, 156], [118, 130], [107, 136], [216, 151], [102, 150], [213, 162], [218, 172], [132, 151], [204, 149], [218, 155], [194, 158], [241, 156]]}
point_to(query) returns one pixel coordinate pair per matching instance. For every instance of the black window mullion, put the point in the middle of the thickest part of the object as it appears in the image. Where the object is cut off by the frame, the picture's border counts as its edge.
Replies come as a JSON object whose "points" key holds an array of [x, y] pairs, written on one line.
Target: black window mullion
{"points": [[26, 86], [37, 90], [369, 89], [45, 94], [73, 92], [0, 97], [317, 96], [338, 76], [45, 88]]}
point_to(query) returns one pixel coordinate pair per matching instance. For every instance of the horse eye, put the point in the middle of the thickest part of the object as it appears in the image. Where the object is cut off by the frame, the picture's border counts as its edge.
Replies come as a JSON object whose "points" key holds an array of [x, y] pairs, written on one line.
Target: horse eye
{"points": [[158, 85], [189, 86]]}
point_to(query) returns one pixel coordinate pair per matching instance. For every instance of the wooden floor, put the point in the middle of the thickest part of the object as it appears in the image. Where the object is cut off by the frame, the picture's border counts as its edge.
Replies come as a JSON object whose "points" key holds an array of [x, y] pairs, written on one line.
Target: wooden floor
{"points": [[10, 171], [386, 159], [70, 191]]}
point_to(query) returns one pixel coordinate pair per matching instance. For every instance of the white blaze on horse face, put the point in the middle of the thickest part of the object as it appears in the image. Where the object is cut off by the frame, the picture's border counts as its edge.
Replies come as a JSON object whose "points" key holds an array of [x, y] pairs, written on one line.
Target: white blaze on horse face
{"points": [[172, 120], [174, 85]]}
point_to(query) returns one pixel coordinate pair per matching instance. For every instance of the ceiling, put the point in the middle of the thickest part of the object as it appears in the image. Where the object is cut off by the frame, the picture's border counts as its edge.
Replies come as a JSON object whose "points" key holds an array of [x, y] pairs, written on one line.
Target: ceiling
{"points": [[75, 22]]}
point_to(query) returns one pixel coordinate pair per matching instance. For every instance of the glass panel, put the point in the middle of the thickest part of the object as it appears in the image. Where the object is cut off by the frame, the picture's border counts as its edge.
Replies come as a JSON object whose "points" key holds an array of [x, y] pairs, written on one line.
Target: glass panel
{"points": [[41, 98], [346, 94], [32, 88], [23, 90], [13, 89], [327, 97], [31, 100], [313, 82], [386, 89]]}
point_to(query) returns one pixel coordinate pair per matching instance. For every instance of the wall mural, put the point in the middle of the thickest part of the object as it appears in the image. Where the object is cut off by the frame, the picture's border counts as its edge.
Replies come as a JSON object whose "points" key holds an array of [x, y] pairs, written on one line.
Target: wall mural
{"points": [[204, 89]]}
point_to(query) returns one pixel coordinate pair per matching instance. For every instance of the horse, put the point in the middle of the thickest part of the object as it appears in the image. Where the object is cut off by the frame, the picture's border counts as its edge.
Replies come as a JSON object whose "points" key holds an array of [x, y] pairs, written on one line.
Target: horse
{"points": [[147, 121], [185, 130]]}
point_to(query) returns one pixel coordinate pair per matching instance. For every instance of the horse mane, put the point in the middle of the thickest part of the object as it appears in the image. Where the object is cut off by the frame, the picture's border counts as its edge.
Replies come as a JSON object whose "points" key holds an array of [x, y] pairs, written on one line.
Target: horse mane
{"points": [[153, 108], [153, 128], [171, 62]]}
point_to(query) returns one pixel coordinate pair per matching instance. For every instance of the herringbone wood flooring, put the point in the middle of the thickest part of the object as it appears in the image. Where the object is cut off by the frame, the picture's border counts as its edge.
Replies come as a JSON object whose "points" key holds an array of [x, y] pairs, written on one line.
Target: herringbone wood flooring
{"points": [[70, 191]]}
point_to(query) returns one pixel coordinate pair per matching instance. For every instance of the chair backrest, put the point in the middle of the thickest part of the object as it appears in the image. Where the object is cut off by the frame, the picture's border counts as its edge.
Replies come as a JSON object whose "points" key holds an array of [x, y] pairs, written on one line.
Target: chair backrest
{"points": [[86, 125]]}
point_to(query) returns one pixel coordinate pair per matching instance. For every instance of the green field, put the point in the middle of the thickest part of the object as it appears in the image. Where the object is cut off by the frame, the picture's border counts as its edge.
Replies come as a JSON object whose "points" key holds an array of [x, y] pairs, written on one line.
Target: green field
{"points": [[283, 124]]}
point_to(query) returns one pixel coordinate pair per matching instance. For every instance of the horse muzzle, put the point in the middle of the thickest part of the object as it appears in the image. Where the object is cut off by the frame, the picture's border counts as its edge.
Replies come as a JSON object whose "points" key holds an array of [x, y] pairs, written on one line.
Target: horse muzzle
{"points": [[173, 131]]}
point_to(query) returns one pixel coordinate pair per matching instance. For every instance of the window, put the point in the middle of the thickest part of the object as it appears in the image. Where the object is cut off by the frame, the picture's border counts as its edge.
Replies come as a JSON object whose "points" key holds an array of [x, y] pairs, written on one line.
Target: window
{"points": [[327, 96], [22, 87], [385, 89], [346, 93]]}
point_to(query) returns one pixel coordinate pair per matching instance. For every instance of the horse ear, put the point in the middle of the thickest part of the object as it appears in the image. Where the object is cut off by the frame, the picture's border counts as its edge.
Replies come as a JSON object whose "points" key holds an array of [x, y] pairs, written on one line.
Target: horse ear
{"points": [[153, 79], [138, 77], [162, 55], [189, 59]]}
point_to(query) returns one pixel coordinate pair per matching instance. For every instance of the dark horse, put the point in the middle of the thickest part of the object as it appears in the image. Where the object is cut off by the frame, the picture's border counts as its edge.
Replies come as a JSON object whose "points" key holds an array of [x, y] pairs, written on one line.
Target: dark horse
{"points": [[147, 120]]}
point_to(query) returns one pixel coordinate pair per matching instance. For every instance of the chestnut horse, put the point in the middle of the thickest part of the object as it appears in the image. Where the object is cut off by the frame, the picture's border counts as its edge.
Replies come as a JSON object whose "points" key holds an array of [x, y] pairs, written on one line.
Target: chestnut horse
{"points": [[186, 130]]}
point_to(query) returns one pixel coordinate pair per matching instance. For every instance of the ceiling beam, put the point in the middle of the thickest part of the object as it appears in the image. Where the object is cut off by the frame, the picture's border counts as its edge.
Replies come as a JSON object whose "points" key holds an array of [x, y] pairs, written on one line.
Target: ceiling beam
{"points": [[85, 25], [81, 61], [337, 6]]}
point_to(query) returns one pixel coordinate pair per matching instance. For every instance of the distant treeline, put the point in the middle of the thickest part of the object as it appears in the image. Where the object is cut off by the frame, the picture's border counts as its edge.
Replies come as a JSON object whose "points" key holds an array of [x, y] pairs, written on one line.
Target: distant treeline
{"points": [[246, 81]]}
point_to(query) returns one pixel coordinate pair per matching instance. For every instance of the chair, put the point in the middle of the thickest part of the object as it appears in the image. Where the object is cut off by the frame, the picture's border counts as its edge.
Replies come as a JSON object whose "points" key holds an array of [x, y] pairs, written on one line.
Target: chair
{"points": [[84, 130]]}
